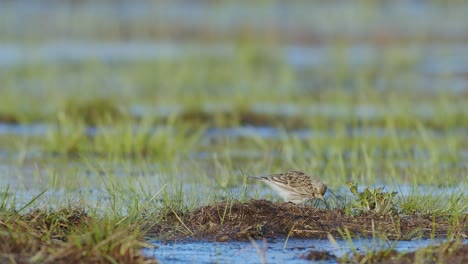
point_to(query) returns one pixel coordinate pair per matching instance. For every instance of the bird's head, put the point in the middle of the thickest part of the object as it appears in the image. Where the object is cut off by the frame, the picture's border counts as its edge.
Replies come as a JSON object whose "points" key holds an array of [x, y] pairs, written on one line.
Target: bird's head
{"points": [[321, 191]]}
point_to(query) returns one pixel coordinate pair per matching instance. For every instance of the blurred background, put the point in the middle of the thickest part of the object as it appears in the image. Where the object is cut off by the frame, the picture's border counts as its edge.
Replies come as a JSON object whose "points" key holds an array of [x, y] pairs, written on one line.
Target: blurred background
{"points": [[211, 91]]}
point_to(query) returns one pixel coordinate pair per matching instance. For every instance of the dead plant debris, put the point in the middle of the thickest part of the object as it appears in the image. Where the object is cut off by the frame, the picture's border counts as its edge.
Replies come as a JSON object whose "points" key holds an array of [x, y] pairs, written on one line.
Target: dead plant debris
{"points": [[233, 220]]}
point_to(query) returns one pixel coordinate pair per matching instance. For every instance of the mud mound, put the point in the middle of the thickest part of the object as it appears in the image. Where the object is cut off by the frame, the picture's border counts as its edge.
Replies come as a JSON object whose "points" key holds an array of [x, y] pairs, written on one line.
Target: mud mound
{"points": [[260, 218]]}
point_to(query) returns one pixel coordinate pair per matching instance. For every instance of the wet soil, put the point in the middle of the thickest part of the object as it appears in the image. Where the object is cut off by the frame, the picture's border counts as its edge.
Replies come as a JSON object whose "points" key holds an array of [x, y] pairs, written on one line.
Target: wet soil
{"points": [[51, 237], [316, 255], [230, 221], [445, 253]]}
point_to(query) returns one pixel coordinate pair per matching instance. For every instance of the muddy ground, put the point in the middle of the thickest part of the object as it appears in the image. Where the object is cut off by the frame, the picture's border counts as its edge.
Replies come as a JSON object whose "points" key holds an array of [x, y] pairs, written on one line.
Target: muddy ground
{"points": [[227, 221], [50, 237], [446, 253]]}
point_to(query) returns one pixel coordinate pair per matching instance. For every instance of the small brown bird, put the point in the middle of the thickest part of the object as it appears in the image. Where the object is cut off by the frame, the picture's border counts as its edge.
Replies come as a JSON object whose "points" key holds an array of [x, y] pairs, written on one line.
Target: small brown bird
{"points": [[295, 186]]}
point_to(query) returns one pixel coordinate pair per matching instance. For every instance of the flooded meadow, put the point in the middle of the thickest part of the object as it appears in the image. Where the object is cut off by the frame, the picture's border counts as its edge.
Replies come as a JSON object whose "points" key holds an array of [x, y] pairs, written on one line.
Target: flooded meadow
{"points": [[129, 131]]}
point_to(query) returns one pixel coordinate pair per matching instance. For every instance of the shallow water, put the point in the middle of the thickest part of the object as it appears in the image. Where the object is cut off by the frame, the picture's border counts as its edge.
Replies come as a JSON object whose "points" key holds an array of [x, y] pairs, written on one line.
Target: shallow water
{"points": [[434, 64], [271, 251], [264, 131]]}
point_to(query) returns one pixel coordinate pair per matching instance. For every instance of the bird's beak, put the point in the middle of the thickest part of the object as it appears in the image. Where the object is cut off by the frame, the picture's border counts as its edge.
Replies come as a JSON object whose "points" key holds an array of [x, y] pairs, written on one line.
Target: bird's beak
{"points": [[321, 197]]}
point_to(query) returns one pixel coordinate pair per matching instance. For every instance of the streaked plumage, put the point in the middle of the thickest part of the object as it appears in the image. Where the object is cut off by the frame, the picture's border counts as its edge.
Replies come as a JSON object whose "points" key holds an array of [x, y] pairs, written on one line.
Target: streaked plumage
{"points": [[295, 186]]}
